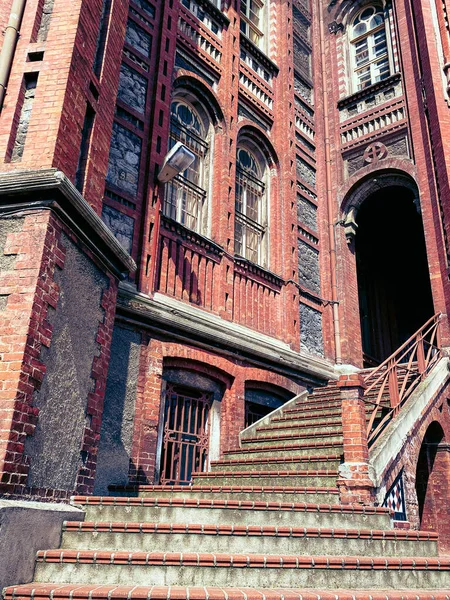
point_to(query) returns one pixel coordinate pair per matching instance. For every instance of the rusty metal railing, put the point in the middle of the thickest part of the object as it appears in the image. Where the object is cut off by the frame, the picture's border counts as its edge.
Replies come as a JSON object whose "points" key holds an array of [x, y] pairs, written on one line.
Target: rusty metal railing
{"points": [[390, 384]]}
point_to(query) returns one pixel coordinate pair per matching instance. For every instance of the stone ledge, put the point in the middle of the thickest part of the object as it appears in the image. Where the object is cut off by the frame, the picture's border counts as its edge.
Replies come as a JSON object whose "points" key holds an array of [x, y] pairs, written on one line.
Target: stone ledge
{"points": [[198, 327], [51, 189]]}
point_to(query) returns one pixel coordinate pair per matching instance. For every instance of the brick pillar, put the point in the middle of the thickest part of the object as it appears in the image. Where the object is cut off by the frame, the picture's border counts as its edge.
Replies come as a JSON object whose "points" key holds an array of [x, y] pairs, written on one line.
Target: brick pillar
{"points": [[354, 482]]}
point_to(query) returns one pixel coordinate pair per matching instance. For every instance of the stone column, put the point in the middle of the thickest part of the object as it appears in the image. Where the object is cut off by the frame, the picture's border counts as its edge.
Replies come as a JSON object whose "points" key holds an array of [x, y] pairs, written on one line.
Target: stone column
{"points": [[354, 482]]}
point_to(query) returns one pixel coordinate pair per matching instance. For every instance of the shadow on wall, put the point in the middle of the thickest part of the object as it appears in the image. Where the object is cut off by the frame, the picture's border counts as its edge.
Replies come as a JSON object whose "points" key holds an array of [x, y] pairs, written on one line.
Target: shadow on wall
{"points": [[114, 454]]}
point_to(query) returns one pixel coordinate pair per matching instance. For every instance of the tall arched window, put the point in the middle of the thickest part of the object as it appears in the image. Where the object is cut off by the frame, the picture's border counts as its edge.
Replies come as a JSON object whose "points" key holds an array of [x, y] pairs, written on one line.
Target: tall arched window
{"points": [[185, 195], [251, 207], [252, 13], [369, 47]]}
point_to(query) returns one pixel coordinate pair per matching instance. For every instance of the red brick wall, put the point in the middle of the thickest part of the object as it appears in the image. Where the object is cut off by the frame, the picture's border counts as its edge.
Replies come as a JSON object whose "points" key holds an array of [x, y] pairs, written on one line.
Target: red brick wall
{"points": [[30, 290]]}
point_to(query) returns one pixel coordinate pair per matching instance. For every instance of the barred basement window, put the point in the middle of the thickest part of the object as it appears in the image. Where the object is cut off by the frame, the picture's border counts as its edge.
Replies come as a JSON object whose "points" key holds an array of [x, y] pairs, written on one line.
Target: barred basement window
{"points": [[252, 20], [185, 195], [250, 224], [369, 47]]}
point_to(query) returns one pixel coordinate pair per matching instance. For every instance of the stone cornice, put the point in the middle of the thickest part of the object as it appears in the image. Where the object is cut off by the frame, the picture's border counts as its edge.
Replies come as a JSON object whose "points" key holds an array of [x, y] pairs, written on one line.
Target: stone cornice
{"points": [[51, 189], [368, 91], [183, 322]]}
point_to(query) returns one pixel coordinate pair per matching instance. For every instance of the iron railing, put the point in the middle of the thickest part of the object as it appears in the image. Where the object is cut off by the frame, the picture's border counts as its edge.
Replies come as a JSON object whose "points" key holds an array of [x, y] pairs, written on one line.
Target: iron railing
{"points": [[391, 384]]}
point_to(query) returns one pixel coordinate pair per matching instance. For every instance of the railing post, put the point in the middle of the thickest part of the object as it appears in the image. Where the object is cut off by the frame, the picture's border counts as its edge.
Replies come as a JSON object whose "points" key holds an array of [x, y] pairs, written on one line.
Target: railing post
{"points": [[421, 357], [393, 384], [354, 482]]}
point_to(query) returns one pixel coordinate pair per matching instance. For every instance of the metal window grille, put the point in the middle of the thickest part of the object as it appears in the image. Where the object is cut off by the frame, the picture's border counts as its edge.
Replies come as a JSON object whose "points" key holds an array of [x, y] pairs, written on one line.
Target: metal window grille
{"points": [[249, 230], [185, 196], [186, 434]]}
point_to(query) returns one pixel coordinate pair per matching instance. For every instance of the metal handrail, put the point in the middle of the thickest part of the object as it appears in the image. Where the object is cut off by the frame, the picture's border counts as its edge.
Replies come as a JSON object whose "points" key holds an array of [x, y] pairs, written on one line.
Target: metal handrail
{"points": [[395, 379]]}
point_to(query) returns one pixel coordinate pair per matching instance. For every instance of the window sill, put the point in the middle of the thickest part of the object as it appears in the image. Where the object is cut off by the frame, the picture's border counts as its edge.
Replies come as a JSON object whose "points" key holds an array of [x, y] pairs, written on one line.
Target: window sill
{"points": [[259, 54], [368, 91], [191, 236], [253, 268], [215, 12]]}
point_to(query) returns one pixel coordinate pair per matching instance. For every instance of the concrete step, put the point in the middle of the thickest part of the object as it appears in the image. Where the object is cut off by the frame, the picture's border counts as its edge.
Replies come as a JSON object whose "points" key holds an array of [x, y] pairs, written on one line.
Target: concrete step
{"points": [[242, 539], [294, 463], [93, 591], [213, 511], [232, 492], [310, 478], [307, 419], [284, 439], [314, 446], [254, 570], [334, 427]]}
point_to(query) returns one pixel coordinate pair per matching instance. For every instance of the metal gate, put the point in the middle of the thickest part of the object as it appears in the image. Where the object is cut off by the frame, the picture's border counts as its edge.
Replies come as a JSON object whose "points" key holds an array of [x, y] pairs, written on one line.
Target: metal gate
{"points": [[186, 434]]}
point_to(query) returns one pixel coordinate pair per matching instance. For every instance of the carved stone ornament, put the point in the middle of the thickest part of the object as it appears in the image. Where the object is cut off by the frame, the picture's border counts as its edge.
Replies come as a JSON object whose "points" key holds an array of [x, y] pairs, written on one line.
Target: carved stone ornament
{"points": [[375, 152], [350, 225], [334, 27]]}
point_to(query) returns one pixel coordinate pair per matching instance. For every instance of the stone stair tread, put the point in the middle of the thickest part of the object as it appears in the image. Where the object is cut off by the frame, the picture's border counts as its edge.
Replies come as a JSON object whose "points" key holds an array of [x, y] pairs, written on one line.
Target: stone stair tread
{"points": [[287, 436], [270, 473], [309, 445], [231, 504], [94, 591], [233, 561], [249, 530], [287, 459], [217, 489], [275, 426]]}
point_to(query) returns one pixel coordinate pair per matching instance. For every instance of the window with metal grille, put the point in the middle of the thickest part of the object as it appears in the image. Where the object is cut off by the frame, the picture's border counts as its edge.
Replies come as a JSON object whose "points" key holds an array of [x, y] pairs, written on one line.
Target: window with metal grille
{"points": [[185, 435], [185, 194], [252, 20], [369, 47], [250, 223]]}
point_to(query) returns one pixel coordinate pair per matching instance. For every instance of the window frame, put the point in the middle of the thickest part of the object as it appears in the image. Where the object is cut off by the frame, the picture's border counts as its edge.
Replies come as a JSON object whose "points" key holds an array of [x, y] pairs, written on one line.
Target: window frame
{"points": [[184, 188], [249, 182], [256, 33], [373, 60]]}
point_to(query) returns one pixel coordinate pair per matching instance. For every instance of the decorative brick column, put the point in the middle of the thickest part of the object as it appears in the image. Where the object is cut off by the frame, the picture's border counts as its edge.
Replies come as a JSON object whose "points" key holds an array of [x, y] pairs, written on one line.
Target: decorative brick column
{"points": [[354, 482]]}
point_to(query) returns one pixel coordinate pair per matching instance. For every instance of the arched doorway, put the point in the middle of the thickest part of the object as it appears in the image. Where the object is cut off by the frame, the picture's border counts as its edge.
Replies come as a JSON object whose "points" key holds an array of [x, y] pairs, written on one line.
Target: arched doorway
{"points": [[393, 279], [432, 484]]}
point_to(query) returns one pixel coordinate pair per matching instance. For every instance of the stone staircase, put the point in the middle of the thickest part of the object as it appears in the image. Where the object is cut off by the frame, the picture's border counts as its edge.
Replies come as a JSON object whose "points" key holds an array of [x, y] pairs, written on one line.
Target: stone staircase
{"points": [[264, 524]]}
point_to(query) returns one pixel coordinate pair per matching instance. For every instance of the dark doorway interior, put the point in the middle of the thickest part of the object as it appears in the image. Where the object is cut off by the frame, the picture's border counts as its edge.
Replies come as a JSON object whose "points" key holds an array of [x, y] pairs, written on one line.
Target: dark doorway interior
{"points": [[427, 476], [393, 279]]}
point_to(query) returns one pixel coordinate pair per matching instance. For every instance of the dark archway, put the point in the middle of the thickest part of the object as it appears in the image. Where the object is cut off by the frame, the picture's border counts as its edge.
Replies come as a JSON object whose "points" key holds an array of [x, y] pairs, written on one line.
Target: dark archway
{"points": [[393, 279], [432, 484]]}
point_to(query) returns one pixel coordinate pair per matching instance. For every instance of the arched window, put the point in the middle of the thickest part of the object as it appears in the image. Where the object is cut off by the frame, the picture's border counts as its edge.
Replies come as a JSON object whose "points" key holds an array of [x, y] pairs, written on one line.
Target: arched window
{"points": [[369, 47], [185, 195], [251, 207]]}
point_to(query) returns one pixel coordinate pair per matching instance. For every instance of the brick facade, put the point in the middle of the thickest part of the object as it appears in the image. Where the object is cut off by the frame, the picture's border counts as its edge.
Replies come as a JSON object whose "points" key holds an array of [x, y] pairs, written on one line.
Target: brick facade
{"points": [[89, 94]]}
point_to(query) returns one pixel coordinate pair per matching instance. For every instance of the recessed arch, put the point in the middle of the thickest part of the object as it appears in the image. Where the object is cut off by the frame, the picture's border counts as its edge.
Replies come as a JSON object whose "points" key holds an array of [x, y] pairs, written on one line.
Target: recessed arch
{"points": [[256, 139], [384, 229], [194, 90]]}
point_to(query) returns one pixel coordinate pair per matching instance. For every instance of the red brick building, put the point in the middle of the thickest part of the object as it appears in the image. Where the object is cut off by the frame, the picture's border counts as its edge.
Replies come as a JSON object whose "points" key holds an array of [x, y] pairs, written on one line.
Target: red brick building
{"points": [[307, 239]]}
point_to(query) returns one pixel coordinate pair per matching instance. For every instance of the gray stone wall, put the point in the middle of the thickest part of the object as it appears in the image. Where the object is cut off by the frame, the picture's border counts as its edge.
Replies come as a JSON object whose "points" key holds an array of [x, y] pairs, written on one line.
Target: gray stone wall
{"points": [[121, 225], [118, 414], [25, 116], [305, 171], [308, 267], [54, 449], [132, 88], [303, 89], [306, 212], [45, 20], [311, 336], [124, 159], [146, 7], [7, 226], [139, 39]]}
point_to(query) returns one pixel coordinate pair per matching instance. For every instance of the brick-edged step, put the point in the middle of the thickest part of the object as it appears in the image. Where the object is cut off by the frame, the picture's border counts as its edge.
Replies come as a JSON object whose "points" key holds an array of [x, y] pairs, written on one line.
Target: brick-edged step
{"points": [[314, 446], [309, 419], [254, 570], [325, 477], [272, 493], [47, 591], [191, 510], [297, 463], [288, 438], [332, 402], [240, 539], [301, 428]]}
